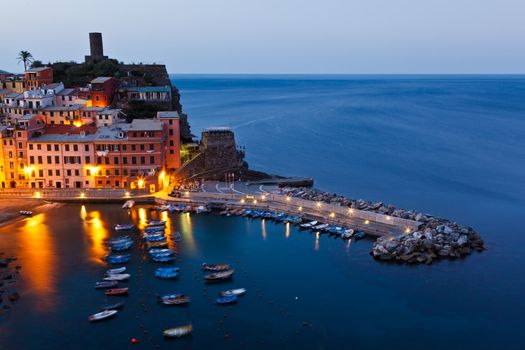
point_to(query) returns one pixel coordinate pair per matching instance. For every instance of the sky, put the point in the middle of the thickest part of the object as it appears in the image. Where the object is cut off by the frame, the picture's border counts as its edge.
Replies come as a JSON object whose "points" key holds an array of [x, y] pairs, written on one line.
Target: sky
{"points": [[275, 36]]}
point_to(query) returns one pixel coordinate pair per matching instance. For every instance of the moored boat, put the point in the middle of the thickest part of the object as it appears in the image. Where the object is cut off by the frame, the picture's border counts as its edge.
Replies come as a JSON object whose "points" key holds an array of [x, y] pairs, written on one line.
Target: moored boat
{"points": [[163, 259], [116, 271], [117, 277], [161, 244], [180, 300], [128, 204], [233, 292], [105, 284], [152, 223], [359, 235], [26, 212], [178, 332], [102, 315], [164, 251], [117, 291], [309, 224], [114, 306], [215, 267], [219, 276], [347, 234], [320, 227], [124, 227], [167, 272]]}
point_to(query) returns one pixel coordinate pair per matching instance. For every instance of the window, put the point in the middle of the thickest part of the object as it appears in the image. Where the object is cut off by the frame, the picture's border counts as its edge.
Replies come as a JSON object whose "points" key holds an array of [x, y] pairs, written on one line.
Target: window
{"points": [[56, 148], [77, 172], [19, 134], [124, 148], [98, 148], [99, 160], [86, 148], [67, 148], [151, 147], [142, 160], [39, 147], [171, 142], [107, 172], [171, 132], [41, 173], [152, 160], [133, 160], [171, 122], [116, 172], [49, 161], [142, 147], [57, 160], [57, 172], [88, 172], [48, 146], [124, 160], [75, 148], [30, 146], [31, 160], [116, 160], [125, 172], [171, 151], [20, 145], [50, 172], [133, 147], [88, 160], [106, 160], [68, 172]]}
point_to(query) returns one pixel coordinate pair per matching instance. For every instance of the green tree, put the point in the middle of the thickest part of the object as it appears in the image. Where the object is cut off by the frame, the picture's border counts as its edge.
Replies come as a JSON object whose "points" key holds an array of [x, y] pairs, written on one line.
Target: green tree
{"points": [[26, 57]]}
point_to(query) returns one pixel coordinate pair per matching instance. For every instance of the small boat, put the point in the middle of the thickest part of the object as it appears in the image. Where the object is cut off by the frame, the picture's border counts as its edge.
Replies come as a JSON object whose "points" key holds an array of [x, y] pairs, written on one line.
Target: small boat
{"points": [[164, 251], [167, 272], [215, 267], [181, 300], [117, 277], [116, 271], [114, 306], [156, 223], [309, 224], [164, 207], [347, 234], [117, 291], [119, 240], [161, 244], [154, 238], [176, 236], [359, 235], [26, 212], [164, 259], [102, 315], [234, 292], [219, 276], [178, 332], [320, 226], [128, 204], [159, 254], [170, 296], [105, 284], [118, 259], [121, 246], [226, 300], [124, 227]]}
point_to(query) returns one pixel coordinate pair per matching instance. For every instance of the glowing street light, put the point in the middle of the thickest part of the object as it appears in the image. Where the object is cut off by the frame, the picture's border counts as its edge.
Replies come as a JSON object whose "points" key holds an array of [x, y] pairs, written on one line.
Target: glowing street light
{"points": [[140, 183], [300, 208], [255, 201], [82, 195], [242, 201], [318, 204], [332, 215], [367, 222], [288, 198], [38, 195]]}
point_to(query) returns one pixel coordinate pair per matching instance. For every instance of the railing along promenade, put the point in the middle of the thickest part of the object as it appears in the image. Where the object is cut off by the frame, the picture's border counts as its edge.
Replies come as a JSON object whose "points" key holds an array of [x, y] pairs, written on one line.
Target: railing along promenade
{"points": [[74, 194], [372, 223]]}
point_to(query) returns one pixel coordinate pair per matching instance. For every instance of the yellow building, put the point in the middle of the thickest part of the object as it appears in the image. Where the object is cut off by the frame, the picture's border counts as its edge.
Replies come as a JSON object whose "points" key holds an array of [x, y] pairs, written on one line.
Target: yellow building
{"points": [[13, 85]]}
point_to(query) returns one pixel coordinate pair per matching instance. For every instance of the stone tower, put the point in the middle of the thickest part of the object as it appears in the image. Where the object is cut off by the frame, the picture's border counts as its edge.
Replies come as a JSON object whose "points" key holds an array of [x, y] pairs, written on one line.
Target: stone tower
{"points": [[96, 47], [219, 148]]}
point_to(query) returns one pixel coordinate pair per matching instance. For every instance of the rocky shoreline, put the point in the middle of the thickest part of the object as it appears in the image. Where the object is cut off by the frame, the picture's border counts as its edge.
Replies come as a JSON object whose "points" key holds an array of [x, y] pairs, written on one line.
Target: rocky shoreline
{"points": [[8, 275], [436, 238]]}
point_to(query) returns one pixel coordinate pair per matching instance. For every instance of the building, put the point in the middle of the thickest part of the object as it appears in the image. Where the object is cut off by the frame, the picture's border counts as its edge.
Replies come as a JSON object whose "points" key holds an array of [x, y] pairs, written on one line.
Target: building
{"points": [[36, 78], [171, 124], [102, 90], [13, 84], [218, 145], [153, 94], [96, 47]]}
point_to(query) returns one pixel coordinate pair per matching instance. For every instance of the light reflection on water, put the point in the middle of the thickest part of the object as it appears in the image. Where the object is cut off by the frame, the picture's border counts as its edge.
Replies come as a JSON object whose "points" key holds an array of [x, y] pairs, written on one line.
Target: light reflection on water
{"points": [[187, 232], [287, 230], [97, 233], [39, 254], [263, 227]]}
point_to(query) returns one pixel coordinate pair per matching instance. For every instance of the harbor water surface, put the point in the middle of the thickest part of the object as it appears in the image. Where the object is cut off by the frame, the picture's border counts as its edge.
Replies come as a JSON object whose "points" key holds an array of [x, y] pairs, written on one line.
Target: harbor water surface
{"points": [[450, 146]]}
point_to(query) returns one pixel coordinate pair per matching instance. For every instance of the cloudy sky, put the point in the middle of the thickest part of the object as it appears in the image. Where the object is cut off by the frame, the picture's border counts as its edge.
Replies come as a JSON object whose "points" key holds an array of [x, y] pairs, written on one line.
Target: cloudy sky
{"points": [[275, 36]]}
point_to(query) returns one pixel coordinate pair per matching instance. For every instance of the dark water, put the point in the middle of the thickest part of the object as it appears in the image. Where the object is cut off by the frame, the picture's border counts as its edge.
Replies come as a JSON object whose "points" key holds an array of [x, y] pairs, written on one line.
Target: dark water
{"points": [[450, 146]]}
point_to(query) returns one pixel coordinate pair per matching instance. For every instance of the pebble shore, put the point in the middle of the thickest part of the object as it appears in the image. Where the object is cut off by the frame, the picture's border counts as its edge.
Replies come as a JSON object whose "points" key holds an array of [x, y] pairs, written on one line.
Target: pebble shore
{"points": [[435, 238]]}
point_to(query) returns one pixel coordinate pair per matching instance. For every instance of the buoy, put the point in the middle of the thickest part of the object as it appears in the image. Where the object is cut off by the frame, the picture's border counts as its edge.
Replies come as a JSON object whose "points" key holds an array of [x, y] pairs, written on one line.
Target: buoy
{"points": [[134, 340]]}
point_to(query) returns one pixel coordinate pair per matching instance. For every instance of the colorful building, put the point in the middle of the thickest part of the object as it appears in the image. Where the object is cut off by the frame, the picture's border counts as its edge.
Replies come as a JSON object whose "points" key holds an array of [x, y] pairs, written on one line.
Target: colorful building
{"points": [[36, 78], [102, 90]]}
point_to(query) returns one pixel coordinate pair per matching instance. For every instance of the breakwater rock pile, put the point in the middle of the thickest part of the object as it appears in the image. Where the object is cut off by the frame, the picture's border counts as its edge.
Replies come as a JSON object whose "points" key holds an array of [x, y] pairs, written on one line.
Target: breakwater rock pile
{"points": [[435, 237], [7, 280]]}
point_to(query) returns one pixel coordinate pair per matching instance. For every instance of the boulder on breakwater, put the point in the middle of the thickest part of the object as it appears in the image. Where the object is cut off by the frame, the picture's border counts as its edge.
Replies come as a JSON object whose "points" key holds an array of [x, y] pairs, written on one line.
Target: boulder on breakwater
{"points": [[435, 238]]}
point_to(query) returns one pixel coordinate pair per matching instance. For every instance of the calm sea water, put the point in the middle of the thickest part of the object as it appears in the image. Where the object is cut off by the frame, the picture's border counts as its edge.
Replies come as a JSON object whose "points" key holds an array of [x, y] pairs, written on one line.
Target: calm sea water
{"points": [[450, 146]]}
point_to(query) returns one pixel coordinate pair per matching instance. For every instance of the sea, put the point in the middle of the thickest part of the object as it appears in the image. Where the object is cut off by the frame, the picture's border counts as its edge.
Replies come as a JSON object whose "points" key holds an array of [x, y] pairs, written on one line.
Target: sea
{"points": [[447, 145]]}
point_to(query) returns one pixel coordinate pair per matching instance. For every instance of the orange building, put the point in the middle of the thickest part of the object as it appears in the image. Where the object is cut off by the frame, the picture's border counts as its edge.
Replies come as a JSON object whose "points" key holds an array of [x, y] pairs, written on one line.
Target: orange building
{"points": [[171, 123], [35, 78], [102, 91]]}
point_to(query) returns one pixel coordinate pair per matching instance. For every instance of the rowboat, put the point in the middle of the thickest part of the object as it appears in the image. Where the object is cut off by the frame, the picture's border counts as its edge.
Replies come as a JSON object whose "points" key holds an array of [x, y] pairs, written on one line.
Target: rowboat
{"points": [[164, 259], [183, 299], [117, 277], [119, 240], [226, 300], [178, 332], [233, 292], [114, 306], [124, 227], [156, 223], [118, 259], [215, 267], [170, 296], [154, 238], [152, 229], [161, 251], [121, 246], [116, 271], [320, 227], [105, 284], [128, 204], [102, 315], [161, 244], [167, 272], [359, 235], [219, 276], [117, 291], [26, 212], [309, 224], [347, 234]]}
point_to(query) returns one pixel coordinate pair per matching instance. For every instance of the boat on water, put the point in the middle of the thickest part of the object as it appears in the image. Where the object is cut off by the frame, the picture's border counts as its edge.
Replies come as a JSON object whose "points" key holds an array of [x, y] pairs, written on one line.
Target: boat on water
{"points": [[164, 251], [178, 332], [118, 256], [309, 224], [106, 284], [119, 247], [114, 306], [161, 244], [219, 276], [102, 315], [167, 272], [347, 234], [118, 260], [119, 240], [26, 212], [163, 259], [117, 277], [124, 227], [359, 235], [117, 291], [152, 223], [154, 237], [233, 292], [226, 300], [116, 271], [320, 227], [215, 267], [170, 296], [180, 300], [128, 204], [164, 207]]}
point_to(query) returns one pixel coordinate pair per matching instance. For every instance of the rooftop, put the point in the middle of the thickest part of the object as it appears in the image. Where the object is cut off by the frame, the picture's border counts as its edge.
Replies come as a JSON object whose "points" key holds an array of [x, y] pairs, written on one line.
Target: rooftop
{"points": [[218, 129], [100, 80], [66, 92], [167, 114], [36, 70], [62, 108], [147, 88]]}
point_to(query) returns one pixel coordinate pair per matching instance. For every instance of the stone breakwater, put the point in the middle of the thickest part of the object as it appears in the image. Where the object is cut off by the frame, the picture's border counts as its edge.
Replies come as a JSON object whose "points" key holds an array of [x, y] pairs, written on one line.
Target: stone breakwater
{"points": [[435, 237], [7, 280]]}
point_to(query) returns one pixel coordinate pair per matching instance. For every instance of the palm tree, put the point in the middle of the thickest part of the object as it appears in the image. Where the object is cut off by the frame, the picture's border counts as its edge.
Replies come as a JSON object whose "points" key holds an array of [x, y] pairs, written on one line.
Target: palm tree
{"points": [[26, 57]]}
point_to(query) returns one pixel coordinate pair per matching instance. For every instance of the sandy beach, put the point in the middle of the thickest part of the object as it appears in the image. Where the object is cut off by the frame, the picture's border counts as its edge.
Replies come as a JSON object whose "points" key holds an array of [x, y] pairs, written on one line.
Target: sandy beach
{"points": [[10, 208]]}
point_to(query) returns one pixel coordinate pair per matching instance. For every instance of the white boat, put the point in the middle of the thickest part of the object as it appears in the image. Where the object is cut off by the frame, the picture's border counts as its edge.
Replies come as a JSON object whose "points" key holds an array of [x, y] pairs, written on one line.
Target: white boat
{"points": [[102, 315], [164, 207], [124, 227], [26, 212], [233, 292], [116, 271], [129, 204], [320, 227], [348, 233], [178, 332], [309, 224], [152, 223], [117, 277]]}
